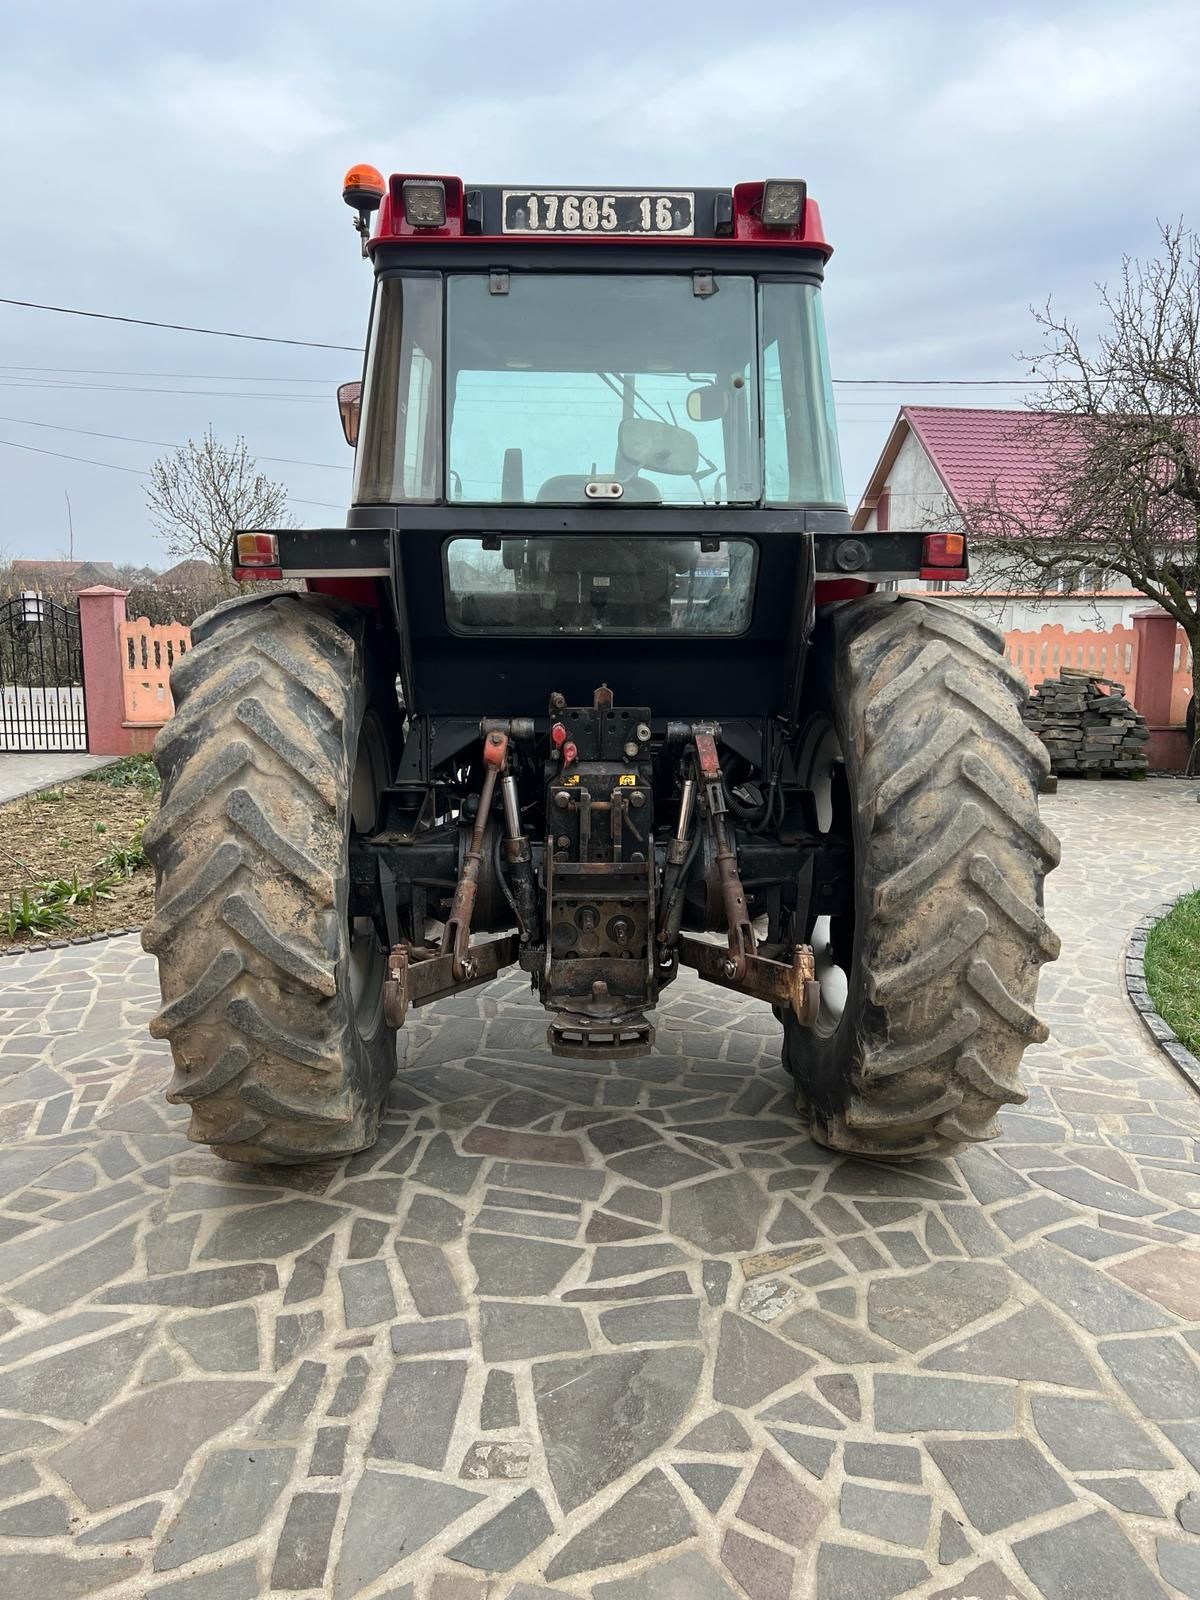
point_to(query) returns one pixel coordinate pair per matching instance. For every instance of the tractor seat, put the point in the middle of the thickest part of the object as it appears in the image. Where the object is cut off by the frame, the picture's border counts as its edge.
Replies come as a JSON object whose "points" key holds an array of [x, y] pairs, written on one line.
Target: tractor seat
{"points": [[570, 487]]}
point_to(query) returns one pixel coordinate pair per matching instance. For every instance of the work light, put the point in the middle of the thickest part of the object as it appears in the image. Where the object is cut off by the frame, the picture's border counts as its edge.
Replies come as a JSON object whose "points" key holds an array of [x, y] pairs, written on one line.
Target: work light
{"points": [[782, 202], [424, 203]]}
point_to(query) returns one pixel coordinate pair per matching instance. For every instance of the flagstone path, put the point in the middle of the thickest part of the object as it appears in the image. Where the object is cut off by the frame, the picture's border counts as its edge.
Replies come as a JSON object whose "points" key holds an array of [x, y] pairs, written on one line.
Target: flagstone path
{"points": [[620, 1333]]}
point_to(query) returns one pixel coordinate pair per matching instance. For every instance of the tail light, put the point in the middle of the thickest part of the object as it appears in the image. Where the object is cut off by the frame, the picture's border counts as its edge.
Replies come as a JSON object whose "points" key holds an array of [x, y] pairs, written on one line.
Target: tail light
{"points": [[944, 555], [256, 557]]}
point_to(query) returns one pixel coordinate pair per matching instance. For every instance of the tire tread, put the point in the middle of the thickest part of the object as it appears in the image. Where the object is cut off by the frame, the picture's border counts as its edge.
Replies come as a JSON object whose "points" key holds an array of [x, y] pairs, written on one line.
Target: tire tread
{"points": [[953, 854], [250, 927]]}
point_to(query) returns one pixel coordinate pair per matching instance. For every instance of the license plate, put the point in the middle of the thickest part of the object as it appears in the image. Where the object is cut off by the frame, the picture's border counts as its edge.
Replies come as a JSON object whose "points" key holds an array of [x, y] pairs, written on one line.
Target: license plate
{"points": [[579, 211]]}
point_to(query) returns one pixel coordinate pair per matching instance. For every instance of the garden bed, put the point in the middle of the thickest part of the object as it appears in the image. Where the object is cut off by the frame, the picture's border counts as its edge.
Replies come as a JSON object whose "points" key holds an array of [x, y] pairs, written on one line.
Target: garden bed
{"points": [[71, 861], [1173, 969]]}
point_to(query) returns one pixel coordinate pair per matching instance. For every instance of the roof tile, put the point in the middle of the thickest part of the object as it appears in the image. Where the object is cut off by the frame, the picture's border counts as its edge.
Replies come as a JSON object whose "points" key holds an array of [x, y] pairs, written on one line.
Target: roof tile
{"points": [[974, 449]]}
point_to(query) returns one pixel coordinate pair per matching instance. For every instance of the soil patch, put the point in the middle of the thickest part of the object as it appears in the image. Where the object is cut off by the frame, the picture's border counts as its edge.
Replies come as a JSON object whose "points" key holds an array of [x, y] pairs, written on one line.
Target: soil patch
{"points": [[65, 834]]}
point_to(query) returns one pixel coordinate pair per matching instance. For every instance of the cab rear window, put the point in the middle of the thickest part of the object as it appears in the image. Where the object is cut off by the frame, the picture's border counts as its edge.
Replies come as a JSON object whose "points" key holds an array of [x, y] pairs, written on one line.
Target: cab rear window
{"points": [[606, 585]]}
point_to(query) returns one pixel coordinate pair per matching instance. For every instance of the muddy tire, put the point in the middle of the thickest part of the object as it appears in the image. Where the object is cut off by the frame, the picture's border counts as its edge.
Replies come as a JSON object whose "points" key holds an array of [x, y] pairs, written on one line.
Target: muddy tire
{"points": [[936, 781], [280, 1045]]}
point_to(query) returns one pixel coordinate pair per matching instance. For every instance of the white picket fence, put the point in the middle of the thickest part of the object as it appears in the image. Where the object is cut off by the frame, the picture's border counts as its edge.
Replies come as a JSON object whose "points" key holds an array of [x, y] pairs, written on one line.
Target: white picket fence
{"points": [[42, 719]]}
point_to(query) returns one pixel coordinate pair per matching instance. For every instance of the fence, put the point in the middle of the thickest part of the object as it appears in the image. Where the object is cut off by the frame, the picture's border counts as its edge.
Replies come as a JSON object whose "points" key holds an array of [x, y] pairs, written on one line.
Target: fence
{"points": [[1112, 654], [129, 696], [148, 651], [126, 672], [41, 667], [41, 718]]}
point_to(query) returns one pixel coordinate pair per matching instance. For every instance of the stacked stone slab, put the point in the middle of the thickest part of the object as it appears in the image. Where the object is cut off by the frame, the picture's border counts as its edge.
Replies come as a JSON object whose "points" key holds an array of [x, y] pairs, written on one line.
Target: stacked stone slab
{"points": [[1087, 724]]}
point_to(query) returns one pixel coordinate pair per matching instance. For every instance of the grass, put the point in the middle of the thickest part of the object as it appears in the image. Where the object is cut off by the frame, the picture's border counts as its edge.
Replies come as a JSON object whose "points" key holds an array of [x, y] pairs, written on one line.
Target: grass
{"points": [[31, 914], [1173, 969], [48, 905], [123, 860], [131, 772]]}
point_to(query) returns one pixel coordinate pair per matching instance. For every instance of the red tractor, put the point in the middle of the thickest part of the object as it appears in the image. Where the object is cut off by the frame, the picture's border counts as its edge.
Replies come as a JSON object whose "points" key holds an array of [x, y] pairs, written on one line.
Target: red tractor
{"points": [[596, 681]]}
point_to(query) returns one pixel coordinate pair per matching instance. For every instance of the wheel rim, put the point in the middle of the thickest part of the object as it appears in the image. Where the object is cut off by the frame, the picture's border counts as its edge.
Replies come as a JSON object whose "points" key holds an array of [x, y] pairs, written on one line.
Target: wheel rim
{"points": [[824, 771], [367, 957]]}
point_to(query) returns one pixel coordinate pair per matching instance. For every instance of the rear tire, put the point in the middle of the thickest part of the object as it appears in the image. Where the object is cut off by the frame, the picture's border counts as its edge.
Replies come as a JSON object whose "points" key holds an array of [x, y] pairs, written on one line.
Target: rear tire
{"points": [[938, 779], [272, 1001]]}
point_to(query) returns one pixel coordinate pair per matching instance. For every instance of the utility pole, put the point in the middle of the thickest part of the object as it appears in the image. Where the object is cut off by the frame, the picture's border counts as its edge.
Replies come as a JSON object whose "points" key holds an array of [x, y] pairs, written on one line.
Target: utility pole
{"points": [[70, 529]]}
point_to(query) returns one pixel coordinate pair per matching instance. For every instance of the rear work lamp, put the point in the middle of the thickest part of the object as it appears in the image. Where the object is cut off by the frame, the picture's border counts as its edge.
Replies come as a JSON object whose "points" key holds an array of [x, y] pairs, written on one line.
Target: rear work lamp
{"points": [[783, 202], [424, 202]]}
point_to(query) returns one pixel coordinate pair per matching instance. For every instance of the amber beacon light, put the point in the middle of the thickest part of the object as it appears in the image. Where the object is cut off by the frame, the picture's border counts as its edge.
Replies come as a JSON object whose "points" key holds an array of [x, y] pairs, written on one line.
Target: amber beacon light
{"points": [[363, 189]]}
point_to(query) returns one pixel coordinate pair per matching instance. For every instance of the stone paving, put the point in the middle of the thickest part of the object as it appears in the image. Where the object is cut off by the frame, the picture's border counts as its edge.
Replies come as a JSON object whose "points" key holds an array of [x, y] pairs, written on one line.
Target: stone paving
{"points": [[572, 1333], [26, 774]]}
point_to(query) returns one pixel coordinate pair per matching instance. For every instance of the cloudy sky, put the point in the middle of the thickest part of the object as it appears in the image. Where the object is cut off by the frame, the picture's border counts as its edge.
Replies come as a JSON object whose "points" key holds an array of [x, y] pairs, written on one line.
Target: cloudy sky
{"points": [[184, 163]]}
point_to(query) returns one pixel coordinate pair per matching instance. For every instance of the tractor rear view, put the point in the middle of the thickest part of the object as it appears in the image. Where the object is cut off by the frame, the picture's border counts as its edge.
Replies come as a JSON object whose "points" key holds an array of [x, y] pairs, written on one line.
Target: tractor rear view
{"points": [[596, 682]]}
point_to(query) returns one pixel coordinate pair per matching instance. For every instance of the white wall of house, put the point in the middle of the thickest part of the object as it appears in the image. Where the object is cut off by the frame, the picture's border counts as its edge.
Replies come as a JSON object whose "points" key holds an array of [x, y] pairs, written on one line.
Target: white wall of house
{"points": [[918, 499], [1075, 613]]}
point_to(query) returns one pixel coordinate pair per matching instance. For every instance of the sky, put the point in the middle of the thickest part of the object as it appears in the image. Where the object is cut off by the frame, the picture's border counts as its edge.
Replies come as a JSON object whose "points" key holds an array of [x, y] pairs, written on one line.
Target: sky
{"points": [[184, 163]]}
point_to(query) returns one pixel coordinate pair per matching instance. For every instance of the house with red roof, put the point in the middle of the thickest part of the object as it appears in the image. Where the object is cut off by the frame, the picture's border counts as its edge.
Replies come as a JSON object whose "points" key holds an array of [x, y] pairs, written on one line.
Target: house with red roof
{"points": [[940, 460]]}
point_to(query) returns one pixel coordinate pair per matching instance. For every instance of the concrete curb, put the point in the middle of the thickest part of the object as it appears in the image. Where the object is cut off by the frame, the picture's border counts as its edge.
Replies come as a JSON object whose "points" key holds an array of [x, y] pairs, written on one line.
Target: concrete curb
{"points": [[1180, 1057], [16, 951]]}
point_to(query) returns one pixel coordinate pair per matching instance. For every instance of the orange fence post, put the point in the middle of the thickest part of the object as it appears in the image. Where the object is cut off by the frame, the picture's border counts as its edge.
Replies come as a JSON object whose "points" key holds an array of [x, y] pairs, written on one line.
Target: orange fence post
{"points": [[148, 652]]}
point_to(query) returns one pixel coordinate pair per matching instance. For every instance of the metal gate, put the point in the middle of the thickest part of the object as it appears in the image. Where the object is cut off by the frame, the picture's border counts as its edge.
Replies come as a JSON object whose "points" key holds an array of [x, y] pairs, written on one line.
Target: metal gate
{"points": [[41, 675]]}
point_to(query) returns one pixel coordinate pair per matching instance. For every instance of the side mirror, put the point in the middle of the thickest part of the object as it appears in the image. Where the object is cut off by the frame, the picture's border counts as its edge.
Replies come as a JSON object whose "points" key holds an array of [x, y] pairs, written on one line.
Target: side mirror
{"points": [[707, 404], [658, 446], [349, 399]]}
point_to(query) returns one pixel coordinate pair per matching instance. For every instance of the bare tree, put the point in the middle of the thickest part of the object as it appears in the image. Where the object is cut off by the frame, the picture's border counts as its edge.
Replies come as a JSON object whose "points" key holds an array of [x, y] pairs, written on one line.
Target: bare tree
{"points": [[200, 495], [1115, 435]]}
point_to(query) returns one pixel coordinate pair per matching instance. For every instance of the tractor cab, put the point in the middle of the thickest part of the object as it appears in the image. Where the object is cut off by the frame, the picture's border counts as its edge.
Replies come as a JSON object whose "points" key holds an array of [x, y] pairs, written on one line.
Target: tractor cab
{"points": [[597, 427]]}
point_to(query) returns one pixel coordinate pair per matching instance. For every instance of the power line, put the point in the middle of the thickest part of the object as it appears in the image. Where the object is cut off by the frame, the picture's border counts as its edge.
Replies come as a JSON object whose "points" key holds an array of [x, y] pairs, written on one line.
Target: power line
{"points": [[129, 388], [139, 472], [174, 327], [197, 377], [317, 344], [7, 382], [948, 383], [165, 444], [37, 450]]}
